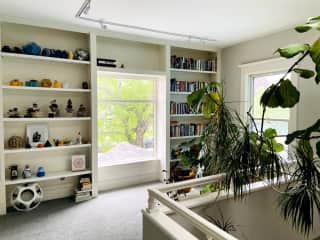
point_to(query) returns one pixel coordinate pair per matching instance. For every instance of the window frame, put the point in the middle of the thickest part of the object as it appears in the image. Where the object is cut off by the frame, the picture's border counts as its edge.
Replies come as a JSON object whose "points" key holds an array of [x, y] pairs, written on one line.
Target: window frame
{"points": [[264, 67], [153, 100]]}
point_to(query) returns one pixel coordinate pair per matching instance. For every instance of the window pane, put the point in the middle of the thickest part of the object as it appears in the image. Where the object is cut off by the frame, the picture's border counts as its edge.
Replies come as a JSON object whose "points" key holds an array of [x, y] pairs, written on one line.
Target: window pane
{"points": [[280, 126], [115, 88], [126, 132], [260, 84]]}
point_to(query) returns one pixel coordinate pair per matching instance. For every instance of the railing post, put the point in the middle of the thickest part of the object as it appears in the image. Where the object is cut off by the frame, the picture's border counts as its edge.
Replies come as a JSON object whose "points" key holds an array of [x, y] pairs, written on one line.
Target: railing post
{"points": [[152, 204]]}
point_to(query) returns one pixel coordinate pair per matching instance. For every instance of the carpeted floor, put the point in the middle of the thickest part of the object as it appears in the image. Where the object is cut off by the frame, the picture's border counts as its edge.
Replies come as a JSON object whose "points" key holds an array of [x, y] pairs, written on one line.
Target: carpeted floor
{"points": [[114, 215]]}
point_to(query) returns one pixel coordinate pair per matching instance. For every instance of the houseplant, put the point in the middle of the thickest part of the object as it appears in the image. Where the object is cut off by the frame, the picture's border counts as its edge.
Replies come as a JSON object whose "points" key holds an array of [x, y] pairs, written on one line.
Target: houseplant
{"points": [[246, 153]]}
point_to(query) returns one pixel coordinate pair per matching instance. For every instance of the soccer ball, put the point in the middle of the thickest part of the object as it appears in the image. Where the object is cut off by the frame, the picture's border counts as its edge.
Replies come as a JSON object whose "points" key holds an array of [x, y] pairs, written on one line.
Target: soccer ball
{"points": [[26, 197]]}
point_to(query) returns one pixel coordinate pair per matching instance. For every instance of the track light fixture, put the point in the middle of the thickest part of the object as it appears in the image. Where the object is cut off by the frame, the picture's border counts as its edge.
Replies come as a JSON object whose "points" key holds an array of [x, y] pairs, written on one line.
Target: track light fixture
{"points": [[85, 8]]}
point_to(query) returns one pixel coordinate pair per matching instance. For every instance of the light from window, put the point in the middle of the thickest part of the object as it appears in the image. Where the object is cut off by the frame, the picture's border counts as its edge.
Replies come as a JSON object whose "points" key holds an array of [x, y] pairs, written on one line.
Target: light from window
{"points": [[125, 120]]}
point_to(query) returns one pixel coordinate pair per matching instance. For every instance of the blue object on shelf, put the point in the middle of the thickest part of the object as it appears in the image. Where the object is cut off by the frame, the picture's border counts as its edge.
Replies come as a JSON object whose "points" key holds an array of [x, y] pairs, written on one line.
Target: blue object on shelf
{"points": [[32, 83], [32, 48], [41, 172], [46, 52]]}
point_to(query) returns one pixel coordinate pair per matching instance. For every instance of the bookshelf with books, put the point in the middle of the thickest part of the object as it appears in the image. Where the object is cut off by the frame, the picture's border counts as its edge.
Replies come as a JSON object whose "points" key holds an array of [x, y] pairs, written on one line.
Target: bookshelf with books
{"points": [[190, 70]]}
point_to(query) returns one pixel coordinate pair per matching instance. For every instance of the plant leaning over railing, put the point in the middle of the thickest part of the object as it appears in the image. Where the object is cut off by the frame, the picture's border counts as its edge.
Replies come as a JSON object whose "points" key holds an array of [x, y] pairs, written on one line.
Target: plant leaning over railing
{"points": [[245, 153]]}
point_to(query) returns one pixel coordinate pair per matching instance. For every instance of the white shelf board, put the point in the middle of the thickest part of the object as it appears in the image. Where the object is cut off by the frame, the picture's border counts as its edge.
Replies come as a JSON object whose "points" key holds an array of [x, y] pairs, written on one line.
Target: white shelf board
{"points": [[191, 71], [180, 93], [42, 58], [46, 119], [130, 71], [184, 137], [187, 115], [47, 177], [44, 89], [27, 150]]}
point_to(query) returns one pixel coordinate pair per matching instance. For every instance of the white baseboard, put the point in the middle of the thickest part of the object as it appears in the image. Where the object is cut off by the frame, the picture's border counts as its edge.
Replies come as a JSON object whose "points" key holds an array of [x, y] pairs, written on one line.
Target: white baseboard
{"points": [[125, 175]]}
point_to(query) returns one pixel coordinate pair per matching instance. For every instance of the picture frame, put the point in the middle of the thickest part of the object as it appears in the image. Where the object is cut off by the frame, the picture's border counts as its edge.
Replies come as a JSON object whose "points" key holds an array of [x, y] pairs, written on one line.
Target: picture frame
{"points": [[78, 163], [37, 134]]}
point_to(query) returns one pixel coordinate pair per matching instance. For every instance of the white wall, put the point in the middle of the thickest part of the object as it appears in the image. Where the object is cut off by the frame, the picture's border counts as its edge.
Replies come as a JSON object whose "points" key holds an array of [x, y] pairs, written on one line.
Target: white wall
{"points": [[264, 48]]}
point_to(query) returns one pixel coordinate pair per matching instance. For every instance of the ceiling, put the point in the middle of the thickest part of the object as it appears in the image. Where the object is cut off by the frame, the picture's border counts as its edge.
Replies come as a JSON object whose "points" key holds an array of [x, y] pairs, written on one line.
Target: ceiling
{"points": [[228, 21]]}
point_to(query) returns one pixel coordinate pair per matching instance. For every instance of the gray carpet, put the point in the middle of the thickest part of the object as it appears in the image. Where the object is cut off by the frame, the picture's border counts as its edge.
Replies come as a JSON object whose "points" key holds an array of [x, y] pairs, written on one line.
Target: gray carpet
{"points": [[114, 215]]}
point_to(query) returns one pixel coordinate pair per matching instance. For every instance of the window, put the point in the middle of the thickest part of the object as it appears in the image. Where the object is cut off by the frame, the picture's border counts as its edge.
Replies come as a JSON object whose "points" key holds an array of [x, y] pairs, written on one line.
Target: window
{"points": [[277, 118], [126, 113]]}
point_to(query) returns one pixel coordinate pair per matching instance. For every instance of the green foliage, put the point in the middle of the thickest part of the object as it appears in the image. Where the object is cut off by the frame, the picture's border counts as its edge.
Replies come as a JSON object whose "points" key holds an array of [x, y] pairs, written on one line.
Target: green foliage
{"points": [[304, 134], [189, 153], [284, 94], [304, 73], [292, 50], [302, 195], [225, 224], [126, 121], [212, 187]]}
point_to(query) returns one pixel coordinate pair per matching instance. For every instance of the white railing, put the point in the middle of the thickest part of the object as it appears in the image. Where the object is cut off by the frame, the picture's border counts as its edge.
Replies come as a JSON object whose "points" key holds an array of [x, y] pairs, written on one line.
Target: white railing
{"points": [[159, 195]]}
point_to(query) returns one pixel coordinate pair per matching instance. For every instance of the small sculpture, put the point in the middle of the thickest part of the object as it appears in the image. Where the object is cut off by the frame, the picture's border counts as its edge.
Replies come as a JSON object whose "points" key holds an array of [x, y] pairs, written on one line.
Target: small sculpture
{"points": [[41, 172], [47, 144], [70, 55], [33, 111], [82, 111], [13, 172], [32, 48], [85, 85], [16, 82], [53, 109], [14, 113], [57, 84], [46, 83], [79, 139], [69, 108], [81, 54], [15, 142], [27, 172]]}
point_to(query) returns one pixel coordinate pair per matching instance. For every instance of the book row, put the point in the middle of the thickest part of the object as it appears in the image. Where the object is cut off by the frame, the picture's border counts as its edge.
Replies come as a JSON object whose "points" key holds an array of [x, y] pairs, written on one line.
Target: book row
{"points": [[186, 86], [194, 64], [185, 129], [182, 108]]}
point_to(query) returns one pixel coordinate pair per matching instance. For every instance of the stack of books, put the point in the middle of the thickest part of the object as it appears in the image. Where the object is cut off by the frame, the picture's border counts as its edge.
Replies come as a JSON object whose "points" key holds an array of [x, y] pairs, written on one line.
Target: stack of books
{"points": [[186, 86], [84, 191], [105, 62], [179, 108], [194, 64], [185, 129]]}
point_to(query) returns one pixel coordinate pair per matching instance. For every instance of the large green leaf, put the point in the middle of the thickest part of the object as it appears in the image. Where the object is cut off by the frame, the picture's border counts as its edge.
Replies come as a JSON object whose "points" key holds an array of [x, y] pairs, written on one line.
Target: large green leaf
{"points": [[304, 73], [293, 50], [305, 133], [314, 19], [315, 52], [289, 94], [194, 99], [270, 133], [303, 28], [270, 97]]}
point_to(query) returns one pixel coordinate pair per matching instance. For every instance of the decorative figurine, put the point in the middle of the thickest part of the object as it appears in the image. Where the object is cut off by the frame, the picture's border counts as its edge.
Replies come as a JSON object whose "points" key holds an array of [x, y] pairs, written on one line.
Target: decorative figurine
{"points": [[27, 172], [28, 145], [16, 82], [13, 172], [46, 83], [54, 109], [14, 113], [70, 55], [6, 48], [57, 84], [82, 111], [32, 83], [32, 48], [85, 85], [33, 111], [17, 50], [45, 52], [79, 139], [47, 144], [69, 108], [15, 142], [81, 54], [41, 172]]}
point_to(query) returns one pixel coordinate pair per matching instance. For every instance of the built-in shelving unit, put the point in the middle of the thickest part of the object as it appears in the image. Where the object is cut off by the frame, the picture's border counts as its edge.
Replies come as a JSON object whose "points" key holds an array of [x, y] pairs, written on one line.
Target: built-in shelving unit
{"points": [[133, 54], [56, 160], [187, 77]]}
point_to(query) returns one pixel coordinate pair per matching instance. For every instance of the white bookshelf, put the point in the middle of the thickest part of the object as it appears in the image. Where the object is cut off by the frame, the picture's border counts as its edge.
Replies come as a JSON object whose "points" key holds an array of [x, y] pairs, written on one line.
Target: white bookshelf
{"points": [[184, 137], [191, 71], [66, 71], [41, 58], [56, 119], [46, 149], [186, 115], [49, 176], [44, 89]]}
